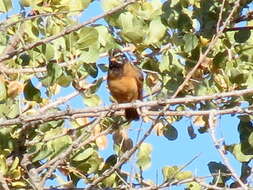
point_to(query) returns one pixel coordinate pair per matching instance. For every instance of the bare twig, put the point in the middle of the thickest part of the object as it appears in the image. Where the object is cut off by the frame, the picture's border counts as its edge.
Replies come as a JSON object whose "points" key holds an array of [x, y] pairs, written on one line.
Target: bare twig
{"points": [[210, 47], [59, 101], [220, 16], [125, 157], [66, 31], [4, 27], [171, 180], [221, 149], [92, 111], [31, 70], [52, 164]]}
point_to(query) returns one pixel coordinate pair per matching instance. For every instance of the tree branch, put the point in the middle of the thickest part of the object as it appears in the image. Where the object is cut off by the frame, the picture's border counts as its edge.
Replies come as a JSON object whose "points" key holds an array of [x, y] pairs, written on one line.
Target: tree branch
{"points": [[210, 47], [220, 147], [4, 27], [238, 28], [91, 111], [66, 31], [125, 157]]}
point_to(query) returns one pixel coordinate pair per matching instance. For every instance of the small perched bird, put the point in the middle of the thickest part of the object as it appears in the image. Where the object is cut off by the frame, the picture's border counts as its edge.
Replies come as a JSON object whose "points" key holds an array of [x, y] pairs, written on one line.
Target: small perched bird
{"points": [[125, 81]]}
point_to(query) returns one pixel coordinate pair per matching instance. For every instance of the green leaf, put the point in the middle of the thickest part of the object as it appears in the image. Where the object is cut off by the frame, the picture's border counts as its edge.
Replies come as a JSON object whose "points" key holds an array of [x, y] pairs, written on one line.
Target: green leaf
{"points": [[249, 81], [14, 164], [108, 5], [59, 145], [31, 93], [109, 181], [133, 29], [191, 42], [91, 68], [31, 31], [5, 5], [242, 36], [76, 6], [94, 161], [88, 36], [169, 172], [54, 72], [144, 156], [48, 51], [193, 186], [103, 67], [18, 184], [104, 37], [25, 3], [184, 175], [237, 76], [42, 151], [164, 65], [221, 169], [184, 22], [90, 56], [156, 31], [170, 132], [83, 154], [236, 150], [95, 87], [147, 10], [13, 108], [15, 174], [3, 92], [64, 80], [92, 100], [219, 61], [3, 165]]}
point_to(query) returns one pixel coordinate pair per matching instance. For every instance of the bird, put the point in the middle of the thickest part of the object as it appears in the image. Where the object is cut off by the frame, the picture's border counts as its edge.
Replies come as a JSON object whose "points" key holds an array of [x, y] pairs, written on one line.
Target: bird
{"points": [[125, 81]]}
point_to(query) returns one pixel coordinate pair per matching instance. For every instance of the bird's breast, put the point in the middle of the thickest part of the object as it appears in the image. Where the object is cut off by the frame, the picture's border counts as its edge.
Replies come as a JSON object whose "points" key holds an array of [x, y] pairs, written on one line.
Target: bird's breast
{"points": [[123, 89]]}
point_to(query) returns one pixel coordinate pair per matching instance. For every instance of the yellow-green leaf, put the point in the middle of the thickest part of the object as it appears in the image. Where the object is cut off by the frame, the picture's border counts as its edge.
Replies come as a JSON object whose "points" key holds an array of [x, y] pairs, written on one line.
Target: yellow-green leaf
{"points": [[3, 92], [3, 165], [156, 31], [5, 5], [92, 100]]}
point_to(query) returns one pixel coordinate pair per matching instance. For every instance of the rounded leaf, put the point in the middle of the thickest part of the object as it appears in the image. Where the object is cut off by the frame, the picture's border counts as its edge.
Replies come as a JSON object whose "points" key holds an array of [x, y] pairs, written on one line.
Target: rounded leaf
{"points": [[170, 132]]}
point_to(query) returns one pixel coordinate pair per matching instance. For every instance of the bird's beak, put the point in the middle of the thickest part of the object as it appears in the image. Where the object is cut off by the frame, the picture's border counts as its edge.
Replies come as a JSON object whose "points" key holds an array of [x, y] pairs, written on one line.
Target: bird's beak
{"points": [[113, 59]]}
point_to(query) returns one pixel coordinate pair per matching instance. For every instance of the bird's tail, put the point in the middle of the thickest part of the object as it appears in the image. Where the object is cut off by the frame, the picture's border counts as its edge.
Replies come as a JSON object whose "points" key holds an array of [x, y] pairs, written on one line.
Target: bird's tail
{"points": [[131, 114]]}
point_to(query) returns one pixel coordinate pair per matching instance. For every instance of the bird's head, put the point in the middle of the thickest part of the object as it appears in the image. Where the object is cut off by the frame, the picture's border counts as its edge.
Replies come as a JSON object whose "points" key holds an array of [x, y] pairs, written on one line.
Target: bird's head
{"points": [[116, 58]]}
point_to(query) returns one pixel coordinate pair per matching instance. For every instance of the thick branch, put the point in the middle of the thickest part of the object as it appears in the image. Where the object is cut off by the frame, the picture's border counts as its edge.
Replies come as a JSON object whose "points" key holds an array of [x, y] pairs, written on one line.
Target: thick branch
{"points": [[94, 110]]}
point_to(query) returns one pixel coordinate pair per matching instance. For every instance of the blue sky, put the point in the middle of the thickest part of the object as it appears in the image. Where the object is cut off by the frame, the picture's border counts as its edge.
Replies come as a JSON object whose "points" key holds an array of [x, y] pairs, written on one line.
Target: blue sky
{"points": [[165, 152]]}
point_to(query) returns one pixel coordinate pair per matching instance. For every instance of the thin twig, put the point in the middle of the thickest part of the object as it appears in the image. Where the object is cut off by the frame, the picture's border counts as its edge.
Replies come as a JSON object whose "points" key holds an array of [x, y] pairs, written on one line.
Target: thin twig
{"points": [[124, 158], [4, 27], [59, 101], [52, 164], [220, 16], [66, 31], [31, 70], [221, 149], [210, 47]]}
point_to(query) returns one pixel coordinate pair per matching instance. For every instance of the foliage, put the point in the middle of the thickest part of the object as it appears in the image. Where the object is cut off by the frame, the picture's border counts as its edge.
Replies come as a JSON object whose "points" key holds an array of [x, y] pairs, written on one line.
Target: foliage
{"points": [[45, 52]]}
